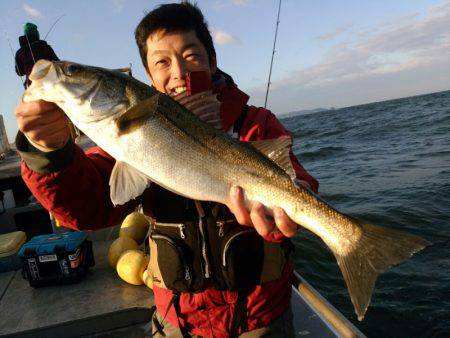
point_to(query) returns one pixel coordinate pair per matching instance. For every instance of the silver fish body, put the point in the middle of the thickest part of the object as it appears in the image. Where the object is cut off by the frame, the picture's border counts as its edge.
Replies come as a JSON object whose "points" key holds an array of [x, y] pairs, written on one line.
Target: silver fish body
{"points": [[153, 138]]}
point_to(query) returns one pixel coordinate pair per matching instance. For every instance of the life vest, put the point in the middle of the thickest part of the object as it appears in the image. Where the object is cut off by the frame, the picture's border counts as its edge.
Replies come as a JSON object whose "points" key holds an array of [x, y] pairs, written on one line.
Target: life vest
{"points": [[203, 245]]}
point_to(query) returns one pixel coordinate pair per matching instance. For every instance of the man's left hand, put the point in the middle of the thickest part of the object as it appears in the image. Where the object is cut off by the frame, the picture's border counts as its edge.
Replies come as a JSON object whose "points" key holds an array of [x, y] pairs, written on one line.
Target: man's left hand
{"points": [[257, 216]]}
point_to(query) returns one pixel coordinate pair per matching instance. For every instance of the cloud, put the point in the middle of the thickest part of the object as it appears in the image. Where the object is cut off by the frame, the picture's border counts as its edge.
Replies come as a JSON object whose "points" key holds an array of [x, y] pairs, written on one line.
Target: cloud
{"points": [[332, 35], [118, 5], [240, 2], [404, 49], [35, 13], [221, 4], [223, 38]]}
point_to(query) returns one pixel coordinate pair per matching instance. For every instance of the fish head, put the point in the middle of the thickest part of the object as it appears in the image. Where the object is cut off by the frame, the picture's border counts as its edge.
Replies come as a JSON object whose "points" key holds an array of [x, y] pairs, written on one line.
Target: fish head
{"points": [[86, 94]]}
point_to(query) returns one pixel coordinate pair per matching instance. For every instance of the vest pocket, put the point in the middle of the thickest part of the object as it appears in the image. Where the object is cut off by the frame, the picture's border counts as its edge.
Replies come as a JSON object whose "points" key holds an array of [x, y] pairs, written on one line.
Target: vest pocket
{"points": [[171, 264], [242, 258]]}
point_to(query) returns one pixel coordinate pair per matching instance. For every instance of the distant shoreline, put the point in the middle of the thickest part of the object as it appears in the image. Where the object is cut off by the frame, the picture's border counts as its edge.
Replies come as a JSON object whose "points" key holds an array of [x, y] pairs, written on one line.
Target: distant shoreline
{"points": [[318, 110]]}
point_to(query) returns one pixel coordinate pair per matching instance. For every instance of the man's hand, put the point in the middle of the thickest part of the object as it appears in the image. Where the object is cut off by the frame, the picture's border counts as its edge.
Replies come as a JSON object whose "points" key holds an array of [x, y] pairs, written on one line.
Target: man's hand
{"points": [[257, 217], [43, 123]]}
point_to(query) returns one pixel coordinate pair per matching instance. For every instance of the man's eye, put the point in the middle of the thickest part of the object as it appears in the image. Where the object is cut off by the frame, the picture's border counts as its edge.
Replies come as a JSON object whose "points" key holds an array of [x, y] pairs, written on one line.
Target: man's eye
{"points": [[160, 63], [192, 56]]}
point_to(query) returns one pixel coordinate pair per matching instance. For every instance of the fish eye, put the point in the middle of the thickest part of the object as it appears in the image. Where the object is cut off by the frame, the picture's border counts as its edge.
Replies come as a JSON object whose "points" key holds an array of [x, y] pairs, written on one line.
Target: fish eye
{"points": [[72, 69]]}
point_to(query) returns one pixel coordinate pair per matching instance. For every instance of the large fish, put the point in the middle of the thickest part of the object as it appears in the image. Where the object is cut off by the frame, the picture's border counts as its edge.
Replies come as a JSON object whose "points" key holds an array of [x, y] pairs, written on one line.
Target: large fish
{"points": [[153, 138]]}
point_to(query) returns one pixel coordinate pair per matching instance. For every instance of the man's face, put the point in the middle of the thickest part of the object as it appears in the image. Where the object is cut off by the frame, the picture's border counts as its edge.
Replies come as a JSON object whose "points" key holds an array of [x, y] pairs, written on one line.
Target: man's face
{"points": [[171, 55]]}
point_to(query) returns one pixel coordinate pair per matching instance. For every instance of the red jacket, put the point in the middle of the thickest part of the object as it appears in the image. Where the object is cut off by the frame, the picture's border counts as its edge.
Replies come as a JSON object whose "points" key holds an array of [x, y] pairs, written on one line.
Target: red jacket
{"points": [[78, 196]]}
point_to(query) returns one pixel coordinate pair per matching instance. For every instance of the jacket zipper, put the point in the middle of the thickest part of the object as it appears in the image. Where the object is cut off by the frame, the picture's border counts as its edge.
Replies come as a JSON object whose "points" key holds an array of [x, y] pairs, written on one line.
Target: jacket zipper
{"points": [[204, 254], [221, 226], [187, 272], [201, 217], [180, 226], [228, 243]]}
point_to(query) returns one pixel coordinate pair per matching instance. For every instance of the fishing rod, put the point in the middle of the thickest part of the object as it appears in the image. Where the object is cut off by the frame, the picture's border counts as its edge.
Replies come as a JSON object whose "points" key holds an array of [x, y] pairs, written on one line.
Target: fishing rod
{"points": [[273, 53], [45, 37]]}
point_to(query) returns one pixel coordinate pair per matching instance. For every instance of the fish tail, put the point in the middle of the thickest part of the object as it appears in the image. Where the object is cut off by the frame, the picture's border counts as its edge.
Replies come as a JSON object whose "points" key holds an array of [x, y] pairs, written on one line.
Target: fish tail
{"points": [[376, 251]]}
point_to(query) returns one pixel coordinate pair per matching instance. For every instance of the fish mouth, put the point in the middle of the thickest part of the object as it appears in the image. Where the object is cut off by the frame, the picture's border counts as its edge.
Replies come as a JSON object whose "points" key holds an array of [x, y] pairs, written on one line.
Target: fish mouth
{"points": [[43, 76], [40, 70]]}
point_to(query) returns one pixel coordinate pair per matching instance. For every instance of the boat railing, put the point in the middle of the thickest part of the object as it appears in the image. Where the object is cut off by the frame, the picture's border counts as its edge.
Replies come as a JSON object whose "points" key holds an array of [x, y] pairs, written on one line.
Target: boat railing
{"points": [[334, 319]]}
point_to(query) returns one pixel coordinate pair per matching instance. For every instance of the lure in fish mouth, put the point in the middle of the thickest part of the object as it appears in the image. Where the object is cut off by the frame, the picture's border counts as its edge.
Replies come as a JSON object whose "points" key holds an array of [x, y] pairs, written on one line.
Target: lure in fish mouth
{"points": [[153, 138]]}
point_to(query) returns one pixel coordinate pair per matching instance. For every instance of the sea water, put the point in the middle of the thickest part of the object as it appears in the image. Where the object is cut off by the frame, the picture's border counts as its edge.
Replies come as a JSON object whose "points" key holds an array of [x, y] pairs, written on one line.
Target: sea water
{"points": [[387, 163]]}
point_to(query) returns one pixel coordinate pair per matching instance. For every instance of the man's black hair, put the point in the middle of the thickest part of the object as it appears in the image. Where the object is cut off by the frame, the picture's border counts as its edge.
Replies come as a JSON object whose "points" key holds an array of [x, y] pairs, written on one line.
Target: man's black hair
{"points": [[171, 18]]}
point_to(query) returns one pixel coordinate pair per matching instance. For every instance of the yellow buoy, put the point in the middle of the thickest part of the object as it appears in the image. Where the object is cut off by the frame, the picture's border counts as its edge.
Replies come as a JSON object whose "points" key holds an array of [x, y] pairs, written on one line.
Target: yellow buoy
{"points": [[147, 278], [117, 247], [131, 266], [135, 226]]}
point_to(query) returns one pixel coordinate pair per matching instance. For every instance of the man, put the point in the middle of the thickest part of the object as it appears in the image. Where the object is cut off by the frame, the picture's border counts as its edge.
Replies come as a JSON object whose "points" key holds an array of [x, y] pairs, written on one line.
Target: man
{"points": [[31, 50], [234, 282]]}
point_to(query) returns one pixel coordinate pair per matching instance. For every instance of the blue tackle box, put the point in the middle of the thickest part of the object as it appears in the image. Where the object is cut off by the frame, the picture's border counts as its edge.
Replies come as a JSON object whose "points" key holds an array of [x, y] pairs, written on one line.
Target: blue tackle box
{"points": [[56, 258]]}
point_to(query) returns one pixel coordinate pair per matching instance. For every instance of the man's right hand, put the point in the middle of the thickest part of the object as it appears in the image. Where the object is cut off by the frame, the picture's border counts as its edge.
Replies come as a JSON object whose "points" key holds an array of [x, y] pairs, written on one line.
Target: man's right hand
{"points": [[43, 123]]}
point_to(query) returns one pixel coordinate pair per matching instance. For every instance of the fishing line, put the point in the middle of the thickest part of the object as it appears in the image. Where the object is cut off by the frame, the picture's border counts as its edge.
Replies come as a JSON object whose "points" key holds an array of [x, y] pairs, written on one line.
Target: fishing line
{"points": [[45, 37], [31, 51], [12, 53]]}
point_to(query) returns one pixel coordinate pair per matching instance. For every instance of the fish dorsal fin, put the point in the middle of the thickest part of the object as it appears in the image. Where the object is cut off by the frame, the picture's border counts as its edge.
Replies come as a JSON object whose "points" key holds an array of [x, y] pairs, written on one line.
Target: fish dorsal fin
{"points": [[278, 151], [126, 183], [136, 115]]}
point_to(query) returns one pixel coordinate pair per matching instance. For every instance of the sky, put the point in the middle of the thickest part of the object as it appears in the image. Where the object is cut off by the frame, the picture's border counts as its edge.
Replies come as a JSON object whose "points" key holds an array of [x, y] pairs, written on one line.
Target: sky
{"points": [[328, 54]]}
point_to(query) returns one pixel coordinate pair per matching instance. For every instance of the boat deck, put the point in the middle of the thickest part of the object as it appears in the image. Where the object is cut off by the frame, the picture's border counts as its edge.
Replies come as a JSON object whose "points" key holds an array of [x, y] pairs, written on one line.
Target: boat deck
{"points": [[102, 305], [99, 302]]}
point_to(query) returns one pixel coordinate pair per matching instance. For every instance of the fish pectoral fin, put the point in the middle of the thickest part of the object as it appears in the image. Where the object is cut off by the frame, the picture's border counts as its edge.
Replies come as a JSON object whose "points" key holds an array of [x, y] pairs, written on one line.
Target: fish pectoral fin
{"points": [[126, 183], [277, 150], [135, 116]]}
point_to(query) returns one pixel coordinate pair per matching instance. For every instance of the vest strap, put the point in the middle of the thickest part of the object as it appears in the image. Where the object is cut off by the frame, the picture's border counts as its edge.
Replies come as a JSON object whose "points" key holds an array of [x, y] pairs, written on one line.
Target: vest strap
{"points": [[175, 301], [176, 305], [239, 320]]}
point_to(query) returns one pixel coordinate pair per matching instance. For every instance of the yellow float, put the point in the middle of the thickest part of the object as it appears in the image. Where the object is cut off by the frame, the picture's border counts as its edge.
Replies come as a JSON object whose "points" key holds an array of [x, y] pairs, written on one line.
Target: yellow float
{"points": [[131, 266], [117, 247], [135, 226]]}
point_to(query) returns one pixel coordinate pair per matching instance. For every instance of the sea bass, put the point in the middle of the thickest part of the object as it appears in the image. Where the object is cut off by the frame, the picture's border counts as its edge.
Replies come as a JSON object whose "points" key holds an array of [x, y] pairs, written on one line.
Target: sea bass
{"points": [[155, 139]]}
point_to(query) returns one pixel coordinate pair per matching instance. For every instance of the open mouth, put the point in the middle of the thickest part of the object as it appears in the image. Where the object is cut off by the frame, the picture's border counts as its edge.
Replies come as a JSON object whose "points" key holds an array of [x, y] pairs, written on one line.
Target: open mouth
{"points": [[177, 90], [40, 70]]}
